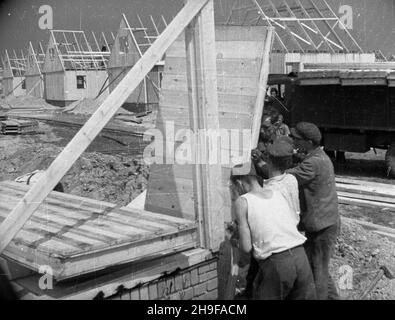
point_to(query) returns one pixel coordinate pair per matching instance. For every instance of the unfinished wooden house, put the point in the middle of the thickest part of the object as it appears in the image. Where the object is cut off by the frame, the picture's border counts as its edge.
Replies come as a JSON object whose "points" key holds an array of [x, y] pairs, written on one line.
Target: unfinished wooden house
{"points": [[306, 31], [33, 75], [72, 70], [169, 249], [14, 75], [129, 46]]}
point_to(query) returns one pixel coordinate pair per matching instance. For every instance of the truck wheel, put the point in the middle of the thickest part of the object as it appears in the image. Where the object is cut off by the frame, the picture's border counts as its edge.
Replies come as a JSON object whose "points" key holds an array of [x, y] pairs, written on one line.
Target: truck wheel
{"points": [[390, 160]]}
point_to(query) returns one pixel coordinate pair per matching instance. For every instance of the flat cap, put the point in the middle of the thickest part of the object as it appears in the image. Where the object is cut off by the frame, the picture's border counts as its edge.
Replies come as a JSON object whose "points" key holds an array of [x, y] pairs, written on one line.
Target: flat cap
{"points": [[307, 131], [245, 169]]}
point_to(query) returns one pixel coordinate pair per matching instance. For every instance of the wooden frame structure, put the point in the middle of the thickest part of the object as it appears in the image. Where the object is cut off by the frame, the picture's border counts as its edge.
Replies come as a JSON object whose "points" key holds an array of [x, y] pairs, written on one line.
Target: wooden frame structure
{"points": [[33, 75], [306, 31], [300, 25], [201, 55], [72, 70], [14, 74], [203, 10], [130, 44]]}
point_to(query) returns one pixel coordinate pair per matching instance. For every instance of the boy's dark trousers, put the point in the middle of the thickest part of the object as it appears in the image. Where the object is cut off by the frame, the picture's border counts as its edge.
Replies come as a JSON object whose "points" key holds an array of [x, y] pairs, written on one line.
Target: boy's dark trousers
{"points": [[319, 248]]}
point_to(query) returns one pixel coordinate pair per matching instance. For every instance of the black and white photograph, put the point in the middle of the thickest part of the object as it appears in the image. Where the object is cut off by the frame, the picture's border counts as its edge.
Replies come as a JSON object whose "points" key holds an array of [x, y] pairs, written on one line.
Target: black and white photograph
{"points": [[219, 150]]}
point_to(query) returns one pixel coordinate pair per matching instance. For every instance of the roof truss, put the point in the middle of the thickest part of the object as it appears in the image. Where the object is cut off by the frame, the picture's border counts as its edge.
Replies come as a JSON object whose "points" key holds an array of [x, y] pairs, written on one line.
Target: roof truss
{"points": [[15, 64], [145, 34], [300, 25], [76, 53], [36, 57]]}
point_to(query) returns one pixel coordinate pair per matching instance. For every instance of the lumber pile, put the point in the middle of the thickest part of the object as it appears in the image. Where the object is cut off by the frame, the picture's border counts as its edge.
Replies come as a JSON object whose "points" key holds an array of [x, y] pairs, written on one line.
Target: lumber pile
{"points": [[17, 126], [365, 193]]}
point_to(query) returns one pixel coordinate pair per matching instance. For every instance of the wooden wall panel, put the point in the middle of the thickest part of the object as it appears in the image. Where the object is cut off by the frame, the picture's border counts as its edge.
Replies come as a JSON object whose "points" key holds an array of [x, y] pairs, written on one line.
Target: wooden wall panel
{"points": [[55, 85], [32, 67], [239, 58], [120, 56], [94, 82], [35, 86], [52, 61], [17, 86], [8, 84]]}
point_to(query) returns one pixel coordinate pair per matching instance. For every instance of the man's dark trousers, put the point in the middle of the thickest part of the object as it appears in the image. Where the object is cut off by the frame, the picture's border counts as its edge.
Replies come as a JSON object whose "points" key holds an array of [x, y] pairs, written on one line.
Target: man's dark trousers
{"points": [[319, 248]]}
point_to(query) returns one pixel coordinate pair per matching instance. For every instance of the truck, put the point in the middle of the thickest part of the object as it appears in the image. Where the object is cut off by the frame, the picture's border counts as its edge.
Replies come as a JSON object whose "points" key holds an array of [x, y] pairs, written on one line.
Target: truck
{"points": [[352, 104]]}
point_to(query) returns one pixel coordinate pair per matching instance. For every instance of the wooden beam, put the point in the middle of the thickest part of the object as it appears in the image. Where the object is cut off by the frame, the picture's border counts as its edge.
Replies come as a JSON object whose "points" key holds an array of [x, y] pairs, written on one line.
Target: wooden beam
{"points": [[203, 108], [59, 167], [263, 77]]}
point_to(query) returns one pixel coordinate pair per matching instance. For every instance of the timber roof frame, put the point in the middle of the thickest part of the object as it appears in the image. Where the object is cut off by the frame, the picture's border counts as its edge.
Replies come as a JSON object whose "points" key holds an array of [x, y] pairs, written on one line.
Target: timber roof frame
{"points": [[76, 53], [16, 64], [37, 56], [300, 25]]}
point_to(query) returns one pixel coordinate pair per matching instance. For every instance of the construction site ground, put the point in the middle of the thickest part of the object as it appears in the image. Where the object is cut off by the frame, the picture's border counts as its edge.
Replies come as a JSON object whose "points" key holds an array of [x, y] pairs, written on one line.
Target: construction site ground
{"points": [[112, 170]]}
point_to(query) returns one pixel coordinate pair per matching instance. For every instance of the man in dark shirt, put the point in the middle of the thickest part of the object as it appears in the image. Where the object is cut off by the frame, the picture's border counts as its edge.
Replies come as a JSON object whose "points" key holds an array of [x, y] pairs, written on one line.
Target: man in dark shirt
{"points": [[319, 205]]}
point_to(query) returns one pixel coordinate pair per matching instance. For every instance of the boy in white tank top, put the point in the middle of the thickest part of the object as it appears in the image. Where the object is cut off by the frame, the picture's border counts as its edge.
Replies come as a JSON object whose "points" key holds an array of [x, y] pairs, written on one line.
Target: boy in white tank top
{"points": [[267, 218]]}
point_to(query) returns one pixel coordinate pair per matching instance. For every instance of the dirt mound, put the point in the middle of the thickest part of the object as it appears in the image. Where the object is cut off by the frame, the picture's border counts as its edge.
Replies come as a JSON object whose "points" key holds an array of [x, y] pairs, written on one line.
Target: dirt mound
{"points": [[364, 252], [84, 106], [25, 102], [117, 179]]}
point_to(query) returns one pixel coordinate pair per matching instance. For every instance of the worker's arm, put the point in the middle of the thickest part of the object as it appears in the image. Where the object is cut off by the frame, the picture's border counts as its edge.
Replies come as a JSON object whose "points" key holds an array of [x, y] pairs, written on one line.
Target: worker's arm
{"points": [[244, 229], [304, 172]]}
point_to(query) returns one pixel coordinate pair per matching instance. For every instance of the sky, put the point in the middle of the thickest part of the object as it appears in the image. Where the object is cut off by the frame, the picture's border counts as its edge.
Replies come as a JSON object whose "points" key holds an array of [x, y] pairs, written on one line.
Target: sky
{"points": [[373, 21], [19, 19]]}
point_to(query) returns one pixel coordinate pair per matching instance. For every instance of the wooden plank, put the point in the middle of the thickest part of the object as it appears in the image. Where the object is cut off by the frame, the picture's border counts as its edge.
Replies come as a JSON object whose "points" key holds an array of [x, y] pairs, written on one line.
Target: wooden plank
{"points": [[69, 214], [25, 208], [201, 47], [82, 264], [319, 82], [85, 207], [390, 185], [260, 98], [108, 284], [225, 67], [226, 85], [363, 195], [224, 50], [349, 66], [382, 200], [227, 121], [56, 234], [227, 102], [366, 189], [367, 203], [364, 82]]}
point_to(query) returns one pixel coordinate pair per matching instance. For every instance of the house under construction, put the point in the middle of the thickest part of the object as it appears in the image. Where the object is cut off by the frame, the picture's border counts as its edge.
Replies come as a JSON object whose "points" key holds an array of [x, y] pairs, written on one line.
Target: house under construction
{"points": [[306, 31], [33, 75], [129, 46], [72, 70], [14, 75]]}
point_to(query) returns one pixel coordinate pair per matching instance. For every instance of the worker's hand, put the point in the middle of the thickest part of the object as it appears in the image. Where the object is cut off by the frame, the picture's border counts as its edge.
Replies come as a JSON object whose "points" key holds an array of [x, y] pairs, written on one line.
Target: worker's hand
{"points": [[232, 231], [256, 155]]}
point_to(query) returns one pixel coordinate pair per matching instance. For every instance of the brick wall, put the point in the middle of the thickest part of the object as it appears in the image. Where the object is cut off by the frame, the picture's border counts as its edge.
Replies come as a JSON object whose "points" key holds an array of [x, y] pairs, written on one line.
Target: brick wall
{"points": [[197, 282]]}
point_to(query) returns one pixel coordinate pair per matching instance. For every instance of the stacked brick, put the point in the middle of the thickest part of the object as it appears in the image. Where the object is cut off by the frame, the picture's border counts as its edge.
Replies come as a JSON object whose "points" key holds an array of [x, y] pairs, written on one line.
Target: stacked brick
{"points": [[199, 282]]}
